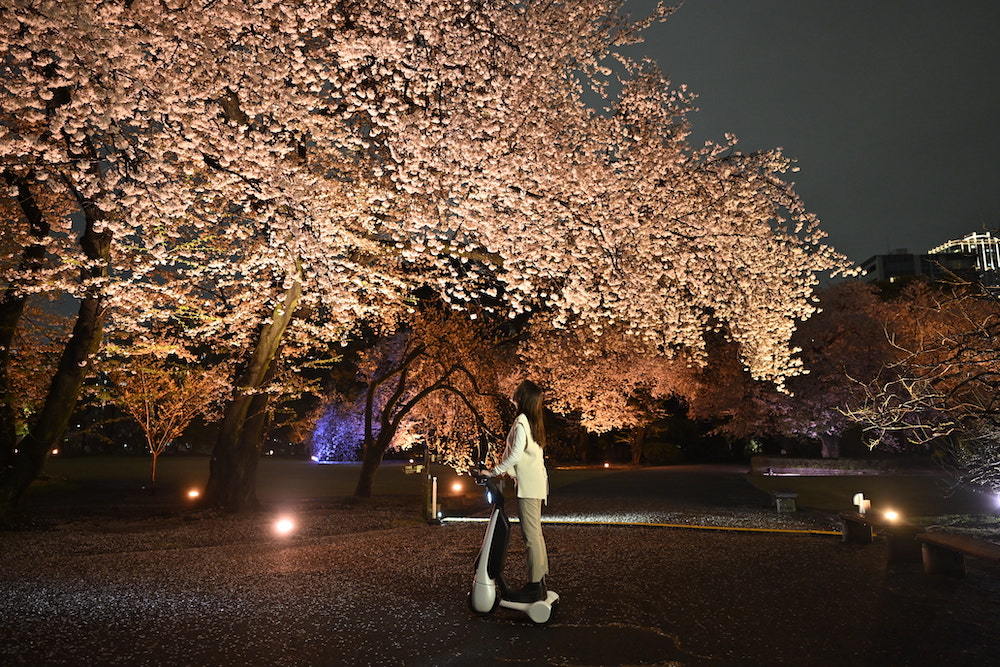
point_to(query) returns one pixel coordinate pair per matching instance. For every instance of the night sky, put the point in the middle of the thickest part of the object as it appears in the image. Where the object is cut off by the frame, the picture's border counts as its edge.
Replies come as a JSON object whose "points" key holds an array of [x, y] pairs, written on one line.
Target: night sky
{"points": [[891, 107]]}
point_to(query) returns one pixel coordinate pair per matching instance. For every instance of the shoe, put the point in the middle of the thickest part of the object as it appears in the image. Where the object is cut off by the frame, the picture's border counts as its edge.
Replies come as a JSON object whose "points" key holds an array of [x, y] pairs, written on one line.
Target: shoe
{"points": [[522, 595], [531, 592], [536, 591]]}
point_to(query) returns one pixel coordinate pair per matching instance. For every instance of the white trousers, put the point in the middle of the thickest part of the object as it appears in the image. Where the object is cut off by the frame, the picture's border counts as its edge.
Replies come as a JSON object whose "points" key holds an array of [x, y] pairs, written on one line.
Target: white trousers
{"points": [[530, 510]]}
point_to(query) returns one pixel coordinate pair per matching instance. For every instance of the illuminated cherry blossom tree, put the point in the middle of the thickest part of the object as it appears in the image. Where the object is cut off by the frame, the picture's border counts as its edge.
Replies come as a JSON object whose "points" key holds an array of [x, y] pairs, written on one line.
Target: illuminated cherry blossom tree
{"points": [[943, 381], [614, 382], [163, 391], [300, 167], [437, 381], [842, 345]]}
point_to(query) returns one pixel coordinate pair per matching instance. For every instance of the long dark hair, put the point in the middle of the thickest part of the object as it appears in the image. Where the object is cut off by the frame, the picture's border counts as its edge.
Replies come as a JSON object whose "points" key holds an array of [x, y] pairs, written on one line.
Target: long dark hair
{"points": [[528, 397]]}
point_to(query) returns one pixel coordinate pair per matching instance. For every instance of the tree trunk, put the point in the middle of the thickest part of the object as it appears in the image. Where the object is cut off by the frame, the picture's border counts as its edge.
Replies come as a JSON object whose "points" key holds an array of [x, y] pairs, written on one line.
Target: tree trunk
{"points": [[637, 440], [11, 309], [74, 364], [152, 471], [829, 446], [12, 305], [374, 451], [233, 468], [582, 443]]}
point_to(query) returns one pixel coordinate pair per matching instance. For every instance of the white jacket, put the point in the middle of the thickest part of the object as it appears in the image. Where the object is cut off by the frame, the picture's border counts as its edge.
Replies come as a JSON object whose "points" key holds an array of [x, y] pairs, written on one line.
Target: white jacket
{"points": [[523, 461]]}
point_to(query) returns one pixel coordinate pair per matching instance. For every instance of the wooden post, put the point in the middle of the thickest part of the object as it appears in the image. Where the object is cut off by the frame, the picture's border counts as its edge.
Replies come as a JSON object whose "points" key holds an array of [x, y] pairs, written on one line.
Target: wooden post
{"points": [[434, 498]]}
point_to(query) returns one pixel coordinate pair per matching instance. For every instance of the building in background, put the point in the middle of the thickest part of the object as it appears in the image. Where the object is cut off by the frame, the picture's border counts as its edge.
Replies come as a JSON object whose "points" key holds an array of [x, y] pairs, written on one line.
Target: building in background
{"points": [[901, 264], [985, 246]]}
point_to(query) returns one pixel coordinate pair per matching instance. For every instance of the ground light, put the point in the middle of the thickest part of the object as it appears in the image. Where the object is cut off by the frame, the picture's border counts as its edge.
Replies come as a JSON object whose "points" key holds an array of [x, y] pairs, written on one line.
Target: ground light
{"points": [[54, 452], [284, 526], [193, 493], [891, 515], [457, 487], [607, 465]]}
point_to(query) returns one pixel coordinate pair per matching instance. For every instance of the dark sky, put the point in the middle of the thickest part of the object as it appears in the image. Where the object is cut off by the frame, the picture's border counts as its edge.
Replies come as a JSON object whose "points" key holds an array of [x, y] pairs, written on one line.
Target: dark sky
{"points": [[891, 107]]}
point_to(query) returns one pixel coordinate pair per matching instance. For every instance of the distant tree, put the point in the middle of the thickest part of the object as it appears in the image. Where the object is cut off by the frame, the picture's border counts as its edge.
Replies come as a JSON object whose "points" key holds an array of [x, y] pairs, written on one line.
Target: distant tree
{"points": [[40, 336], [840, 346], [611, 382], [161, 387], [439, 381], [944, 383]]}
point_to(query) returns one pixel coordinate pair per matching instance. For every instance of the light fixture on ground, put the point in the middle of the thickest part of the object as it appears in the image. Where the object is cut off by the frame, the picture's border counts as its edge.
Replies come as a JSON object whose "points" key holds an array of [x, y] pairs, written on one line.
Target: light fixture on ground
{"points": [[54, 452], [607, 465], [891, 515], [193, 493], [457, 487], [284, 525]]}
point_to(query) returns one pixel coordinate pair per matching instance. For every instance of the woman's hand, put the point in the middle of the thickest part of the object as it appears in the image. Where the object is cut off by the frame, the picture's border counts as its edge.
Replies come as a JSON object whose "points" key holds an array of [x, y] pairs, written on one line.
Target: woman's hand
{"points": [[483, 472]]}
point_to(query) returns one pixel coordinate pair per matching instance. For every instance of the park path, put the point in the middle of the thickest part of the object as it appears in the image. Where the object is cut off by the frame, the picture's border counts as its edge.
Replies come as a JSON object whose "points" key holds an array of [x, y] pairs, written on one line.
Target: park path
{"points": [[365, 586], [712, 494]]}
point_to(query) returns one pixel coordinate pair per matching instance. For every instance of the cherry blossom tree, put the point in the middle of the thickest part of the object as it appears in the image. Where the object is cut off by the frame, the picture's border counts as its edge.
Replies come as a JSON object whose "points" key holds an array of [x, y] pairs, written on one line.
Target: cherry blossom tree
{"points": [[161, 388], [842, 344], [37, 341], [306, 166], [616, 382], [943, 382], [437, 381]]}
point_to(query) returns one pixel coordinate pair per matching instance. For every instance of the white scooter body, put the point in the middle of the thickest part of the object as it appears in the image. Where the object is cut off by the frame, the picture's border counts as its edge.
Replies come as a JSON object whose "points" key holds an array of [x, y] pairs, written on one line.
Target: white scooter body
{"points": [[487, 591]]}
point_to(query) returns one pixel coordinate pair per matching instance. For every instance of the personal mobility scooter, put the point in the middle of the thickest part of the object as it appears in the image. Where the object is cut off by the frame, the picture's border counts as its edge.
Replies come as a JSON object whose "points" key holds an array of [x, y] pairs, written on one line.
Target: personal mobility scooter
{"points": [[489, 590]]}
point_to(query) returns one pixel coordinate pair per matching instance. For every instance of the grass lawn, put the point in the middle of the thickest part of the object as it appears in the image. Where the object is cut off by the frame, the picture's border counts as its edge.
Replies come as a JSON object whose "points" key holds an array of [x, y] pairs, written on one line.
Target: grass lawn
{"points": [[912, 495], [278, 480]]}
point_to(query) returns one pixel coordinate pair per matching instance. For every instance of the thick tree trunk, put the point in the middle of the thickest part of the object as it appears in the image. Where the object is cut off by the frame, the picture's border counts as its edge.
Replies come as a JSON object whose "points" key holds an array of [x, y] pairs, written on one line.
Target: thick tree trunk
{"points": [[12, 303], [637, 440], [11, 309], [582, 444], [233, 468], [74, 365], [829, 446], [374, 451]]}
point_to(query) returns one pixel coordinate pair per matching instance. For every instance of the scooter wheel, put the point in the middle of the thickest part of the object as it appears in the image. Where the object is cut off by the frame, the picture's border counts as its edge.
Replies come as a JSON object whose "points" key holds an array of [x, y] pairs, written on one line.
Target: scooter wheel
{"points": [[538, 619], [472, 608]]}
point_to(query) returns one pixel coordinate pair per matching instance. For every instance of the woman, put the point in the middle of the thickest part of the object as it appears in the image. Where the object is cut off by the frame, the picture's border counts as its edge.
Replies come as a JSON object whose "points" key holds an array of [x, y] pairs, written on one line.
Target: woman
{"points": [[522, 460]]}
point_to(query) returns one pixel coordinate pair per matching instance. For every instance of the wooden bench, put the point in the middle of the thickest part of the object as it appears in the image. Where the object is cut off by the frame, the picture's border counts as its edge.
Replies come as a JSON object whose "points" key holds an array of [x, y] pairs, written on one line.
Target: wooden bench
{"points": [[944, 553], [899, 535]]}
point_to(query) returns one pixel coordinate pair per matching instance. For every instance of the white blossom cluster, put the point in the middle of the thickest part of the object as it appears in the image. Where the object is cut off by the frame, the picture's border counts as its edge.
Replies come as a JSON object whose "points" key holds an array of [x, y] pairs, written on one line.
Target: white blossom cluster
{"points": [[235, 148]]}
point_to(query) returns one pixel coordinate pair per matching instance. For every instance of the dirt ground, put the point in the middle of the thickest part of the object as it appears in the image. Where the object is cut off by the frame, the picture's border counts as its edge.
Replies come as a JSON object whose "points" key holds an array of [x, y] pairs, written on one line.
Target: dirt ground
{"points": [[373, 585]]}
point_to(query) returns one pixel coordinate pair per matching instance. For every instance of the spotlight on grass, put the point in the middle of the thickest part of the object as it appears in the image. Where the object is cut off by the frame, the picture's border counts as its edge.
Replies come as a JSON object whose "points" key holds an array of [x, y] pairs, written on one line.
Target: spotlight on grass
{"points": [[284, 526], [891, 515], [54, 452], [457, 487], [607, 465], [193, 493]]}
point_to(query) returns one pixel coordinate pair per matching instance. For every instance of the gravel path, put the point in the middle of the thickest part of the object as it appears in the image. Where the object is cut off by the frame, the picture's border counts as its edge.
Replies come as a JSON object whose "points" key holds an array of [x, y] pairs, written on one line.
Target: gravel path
{"points": [[715, 495], [373, 585]]}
